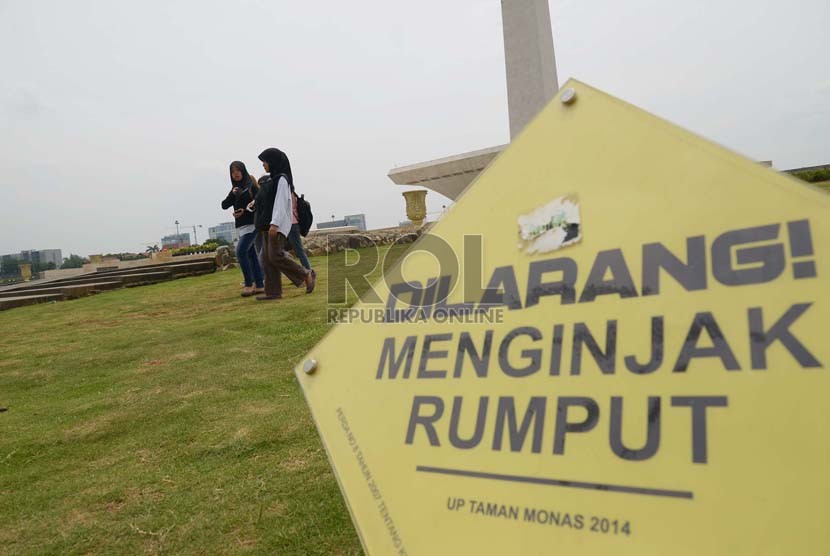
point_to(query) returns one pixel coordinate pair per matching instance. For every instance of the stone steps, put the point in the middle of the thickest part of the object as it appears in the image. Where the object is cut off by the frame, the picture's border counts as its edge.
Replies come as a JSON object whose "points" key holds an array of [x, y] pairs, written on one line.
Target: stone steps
{"points": [[69, 291], [194, 268], [171, 264], [145, 278], [23, 300], [83, 285]]}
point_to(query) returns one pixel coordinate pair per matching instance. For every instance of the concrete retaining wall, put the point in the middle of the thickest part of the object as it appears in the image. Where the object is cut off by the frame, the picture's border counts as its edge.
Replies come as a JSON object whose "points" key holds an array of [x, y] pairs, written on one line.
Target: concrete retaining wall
{"points": [[62, 273]]}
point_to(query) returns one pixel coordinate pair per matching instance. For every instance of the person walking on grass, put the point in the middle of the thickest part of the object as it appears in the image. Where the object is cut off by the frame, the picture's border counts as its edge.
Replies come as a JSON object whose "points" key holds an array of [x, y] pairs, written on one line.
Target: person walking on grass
{"points": [[243, 191], [295, 240], [273, 219]]}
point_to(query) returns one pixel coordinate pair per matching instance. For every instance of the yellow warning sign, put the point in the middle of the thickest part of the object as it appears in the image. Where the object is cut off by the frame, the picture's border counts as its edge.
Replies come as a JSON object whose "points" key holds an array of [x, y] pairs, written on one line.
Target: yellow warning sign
{"points": [[614, 343]]}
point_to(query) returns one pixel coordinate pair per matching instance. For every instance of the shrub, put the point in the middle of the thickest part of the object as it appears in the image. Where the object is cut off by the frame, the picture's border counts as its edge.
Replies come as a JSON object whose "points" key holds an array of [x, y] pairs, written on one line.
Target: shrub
{"points": [[192, 250], [814, 176]]}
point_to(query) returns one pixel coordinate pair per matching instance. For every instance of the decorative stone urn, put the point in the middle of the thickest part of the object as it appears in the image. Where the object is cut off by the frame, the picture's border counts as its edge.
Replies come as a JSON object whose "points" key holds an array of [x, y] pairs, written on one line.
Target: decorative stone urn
{"points": [[416, 206], [25, 271]]}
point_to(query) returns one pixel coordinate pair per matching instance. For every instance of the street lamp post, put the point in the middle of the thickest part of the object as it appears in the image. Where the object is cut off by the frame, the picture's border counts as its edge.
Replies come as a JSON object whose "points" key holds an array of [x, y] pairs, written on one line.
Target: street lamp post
{"points": [[194, 226], [195, 239]]}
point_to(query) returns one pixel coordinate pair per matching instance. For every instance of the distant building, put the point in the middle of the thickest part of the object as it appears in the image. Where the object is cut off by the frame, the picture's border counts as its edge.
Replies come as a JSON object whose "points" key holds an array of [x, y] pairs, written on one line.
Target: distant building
{"points": [[5, 263], [331, 224], [175, 241], [36, 257], [356, 220], [225, 230], [46, 256]]}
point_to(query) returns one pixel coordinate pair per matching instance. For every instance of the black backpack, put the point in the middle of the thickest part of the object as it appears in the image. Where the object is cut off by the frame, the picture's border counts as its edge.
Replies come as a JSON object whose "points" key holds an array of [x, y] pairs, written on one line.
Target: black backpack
{"points": [[304, 216]]}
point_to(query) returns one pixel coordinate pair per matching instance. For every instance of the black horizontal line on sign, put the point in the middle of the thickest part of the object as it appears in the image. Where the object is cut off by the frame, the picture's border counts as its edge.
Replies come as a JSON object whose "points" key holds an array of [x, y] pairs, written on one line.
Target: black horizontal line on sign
{"points": [[558, 482]]}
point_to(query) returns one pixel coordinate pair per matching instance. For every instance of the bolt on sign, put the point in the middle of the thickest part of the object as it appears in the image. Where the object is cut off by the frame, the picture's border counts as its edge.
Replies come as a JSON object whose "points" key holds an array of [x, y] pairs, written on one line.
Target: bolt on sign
{"points": [[656, 382]]}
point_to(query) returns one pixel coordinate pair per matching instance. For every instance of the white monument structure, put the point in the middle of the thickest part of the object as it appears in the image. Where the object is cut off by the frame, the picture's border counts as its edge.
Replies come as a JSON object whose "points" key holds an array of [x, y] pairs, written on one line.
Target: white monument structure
{"points": [[531, 83]]}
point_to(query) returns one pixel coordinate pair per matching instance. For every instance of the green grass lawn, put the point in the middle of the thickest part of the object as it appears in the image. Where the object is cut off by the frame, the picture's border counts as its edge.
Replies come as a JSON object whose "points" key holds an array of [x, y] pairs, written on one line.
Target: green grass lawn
{"points": [[165, 419]]}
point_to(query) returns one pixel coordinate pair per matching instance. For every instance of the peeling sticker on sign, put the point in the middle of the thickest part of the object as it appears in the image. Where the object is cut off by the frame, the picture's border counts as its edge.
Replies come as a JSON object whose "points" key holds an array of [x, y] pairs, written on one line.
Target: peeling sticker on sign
{"points": [[550, 227]]}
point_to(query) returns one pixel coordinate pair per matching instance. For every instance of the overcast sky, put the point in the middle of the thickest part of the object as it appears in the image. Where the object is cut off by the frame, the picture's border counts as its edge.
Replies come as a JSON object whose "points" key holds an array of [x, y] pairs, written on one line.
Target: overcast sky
{"points": [[119, 117]]}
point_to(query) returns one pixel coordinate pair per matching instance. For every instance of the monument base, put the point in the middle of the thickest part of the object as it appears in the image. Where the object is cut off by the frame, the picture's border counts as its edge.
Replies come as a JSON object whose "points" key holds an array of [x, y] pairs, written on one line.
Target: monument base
{"points": [[448, 176]]}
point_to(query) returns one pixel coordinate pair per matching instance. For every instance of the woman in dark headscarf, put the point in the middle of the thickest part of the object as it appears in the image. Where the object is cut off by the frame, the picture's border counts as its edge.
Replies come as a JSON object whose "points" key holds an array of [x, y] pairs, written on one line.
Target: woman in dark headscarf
{"points": [[273, 219], [243, 191]]}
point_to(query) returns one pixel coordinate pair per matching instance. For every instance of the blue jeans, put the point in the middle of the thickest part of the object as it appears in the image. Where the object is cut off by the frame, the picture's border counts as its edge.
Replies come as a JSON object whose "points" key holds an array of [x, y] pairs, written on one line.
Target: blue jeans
{"points": [[258, 248], [296, 242], [248, 261]]}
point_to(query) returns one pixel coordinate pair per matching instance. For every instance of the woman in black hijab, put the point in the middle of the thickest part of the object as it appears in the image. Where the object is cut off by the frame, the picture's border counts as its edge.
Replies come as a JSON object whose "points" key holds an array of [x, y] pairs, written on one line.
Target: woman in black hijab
{"points": [[243, 191], [273, 219]]}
